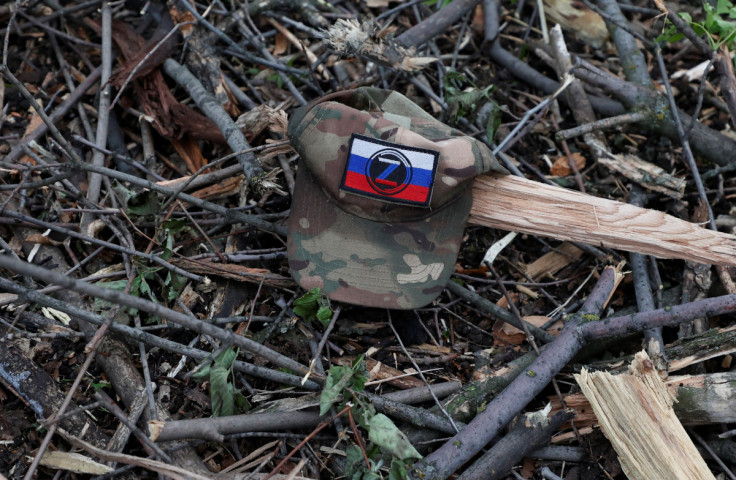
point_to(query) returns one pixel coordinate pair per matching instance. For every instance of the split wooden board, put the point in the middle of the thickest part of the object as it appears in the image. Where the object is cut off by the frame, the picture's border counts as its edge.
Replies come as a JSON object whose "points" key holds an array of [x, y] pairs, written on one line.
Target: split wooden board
{"points": [[635, 413], [525, 206]]}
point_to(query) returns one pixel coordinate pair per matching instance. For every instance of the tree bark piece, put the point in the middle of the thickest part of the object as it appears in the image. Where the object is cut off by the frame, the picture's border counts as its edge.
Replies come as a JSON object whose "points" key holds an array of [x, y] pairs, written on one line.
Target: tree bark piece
{"points": [[636, 415], [520, 205]]}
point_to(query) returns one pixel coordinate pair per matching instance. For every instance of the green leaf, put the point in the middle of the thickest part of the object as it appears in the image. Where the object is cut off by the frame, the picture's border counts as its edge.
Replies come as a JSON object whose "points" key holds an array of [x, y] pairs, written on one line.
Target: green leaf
{"points": [[100, 304], [314, 304], [241, 402], [364, 415], [306, 306], [143, 287], [337, 378], [144, 203], [203, 373], [724, 6], [123, 192], [227, 357], [360, 374], [173, 285], [384, 433], [399, 470], [354, 463], [324, 315], [221, 392], [175, 225], [494, 121]]}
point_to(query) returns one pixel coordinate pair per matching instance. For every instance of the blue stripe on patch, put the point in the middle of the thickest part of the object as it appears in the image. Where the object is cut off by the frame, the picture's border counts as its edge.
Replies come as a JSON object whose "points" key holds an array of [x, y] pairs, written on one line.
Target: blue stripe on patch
{"points": [[420, 176]]}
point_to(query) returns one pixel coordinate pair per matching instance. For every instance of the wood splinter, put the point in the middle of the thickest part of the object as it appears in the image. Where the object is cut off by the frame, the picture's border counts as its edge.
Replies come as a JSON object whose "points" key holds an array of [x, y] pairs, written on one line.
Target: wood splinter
{"points": [[635, 413]]}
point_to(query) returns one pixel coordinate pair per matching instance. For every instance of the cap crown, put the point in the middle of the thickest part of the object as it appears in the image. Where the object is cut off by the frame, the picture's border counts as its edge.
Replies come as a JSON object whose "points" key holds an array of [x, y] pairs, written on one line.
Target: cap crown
{"points": [[327, 132]]}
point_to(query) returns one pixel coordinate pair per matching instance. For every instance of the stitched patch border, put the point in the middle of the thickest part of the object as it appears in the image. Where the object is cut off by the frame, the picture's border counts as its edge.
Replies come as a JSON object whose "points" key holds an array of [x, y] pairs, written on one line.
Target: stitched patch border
{"points": [[390, 171]]}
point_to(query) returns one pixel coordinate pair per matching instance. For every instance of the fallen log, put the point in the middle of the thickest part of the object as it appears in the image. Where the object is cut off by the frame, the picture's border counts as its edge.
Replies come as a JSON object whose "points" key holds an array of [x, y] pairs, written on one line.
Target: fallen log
{"points": [[521, 205]]}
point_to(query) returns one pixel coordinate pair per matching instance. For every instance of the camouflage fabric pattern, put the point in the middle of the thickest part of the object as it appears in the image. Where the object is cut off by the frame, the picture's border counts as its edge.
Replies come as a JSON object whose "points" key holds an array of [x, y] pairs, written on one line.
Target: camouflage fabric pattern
{"points": [[364, 250]]}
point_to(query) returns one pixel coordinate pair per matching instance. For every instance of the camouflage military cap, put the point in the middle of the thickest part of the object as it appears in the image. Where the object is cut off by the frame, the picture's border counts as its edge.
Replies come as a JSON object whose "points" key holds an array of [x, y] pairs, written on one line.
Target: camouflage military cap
{"points": [[381, 198]]}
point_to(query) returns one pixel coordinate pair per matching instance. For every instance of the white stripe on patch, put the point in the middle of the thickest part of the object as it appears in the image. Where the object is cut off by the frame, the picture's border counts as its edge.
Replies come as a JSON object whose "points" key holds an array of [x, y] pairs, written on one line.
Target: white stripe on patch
{"points": [[365, 149]]}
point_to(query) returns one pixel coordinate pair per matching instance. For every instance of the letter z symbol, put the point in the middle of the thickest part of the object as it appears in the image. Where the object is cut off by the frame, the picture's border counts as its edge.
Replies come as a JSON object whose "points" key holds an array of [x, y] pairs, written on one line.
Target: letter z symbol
{"points": [[391, 165]]}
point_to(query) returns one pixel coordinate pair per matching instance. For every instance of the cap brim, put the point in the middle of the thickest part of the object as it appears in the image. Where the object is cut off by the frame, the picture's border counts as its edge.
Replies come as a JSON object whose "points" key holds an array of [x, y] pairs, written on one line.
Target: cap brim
{"points": [[364, 262]]}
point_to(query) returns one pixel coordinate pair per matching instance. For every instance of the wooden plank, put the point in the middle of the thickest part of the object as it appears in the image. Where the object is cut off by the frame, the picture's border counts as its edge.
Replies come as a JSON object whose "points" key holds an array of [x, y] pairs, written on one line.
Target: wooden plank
{"points": [[521, 205], [635, 413]]}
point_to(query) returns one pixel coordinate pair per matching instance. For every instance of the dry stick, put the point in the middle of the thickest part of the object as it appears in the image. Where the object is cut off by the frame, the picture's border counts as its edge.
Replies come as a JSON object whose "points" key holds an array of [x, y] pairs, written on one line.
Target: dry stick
{"points": [[120, 298], [150, 339], [70, 84], [498, 312], [325, 336], [663, 317], [358, 439], [415, 416], [217, 428], [120, 438], [713, 455], [602, 124], [206, 102], [112, 246], [436, 23], [419, 371], [528, 435], [304, 442], [113, 408], [721, 58], [168, 470], [229, 214], [91, 353], [103, 114], [724, 275], [57, 114], [710, 143], [653, 341], [444, 461], [633, 63]]}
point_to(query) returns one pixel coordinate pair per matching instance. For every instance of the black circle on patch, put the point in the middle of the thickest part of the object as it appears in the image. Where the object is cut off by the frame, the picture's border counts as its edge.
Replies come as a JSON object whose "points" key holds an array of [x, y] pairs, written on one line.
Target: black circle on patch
{"points": [[388, 171]]}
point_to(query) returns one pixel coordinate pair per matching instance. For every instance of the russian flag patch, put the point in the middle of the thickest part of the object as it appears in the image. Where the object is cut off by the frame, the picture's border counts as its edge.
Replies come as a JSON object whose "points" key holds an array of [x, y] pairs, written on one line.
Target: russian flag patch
{"points": [[389, 171]]}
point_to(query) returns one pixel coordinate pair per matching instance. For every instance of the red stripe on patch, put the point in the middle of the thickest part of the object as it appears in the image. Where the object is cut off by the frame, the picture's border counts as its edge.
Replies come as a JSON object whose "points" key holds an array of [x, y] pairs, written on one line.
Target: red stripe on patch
{"points": [[413, 193]]}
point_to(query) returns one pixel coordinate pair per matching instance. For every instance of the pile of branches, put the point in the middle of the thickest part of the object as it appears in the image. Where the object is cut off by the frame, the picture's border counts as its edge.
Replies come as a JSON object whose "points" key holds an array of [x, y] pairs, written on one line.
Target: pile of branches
{"points": [[150, 323]]}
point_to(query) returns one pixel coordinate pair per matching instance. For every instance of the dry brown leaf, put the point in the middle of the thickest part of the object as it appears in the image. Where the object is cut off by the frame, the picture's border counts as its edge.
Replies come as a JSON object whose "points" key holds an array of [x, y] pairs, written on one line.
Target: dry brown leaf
{"points": [[576, 17], [561, 167], [41, 239], [514, 336], [223, 187], [280, 45], [183, 16], [189, 151]]}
